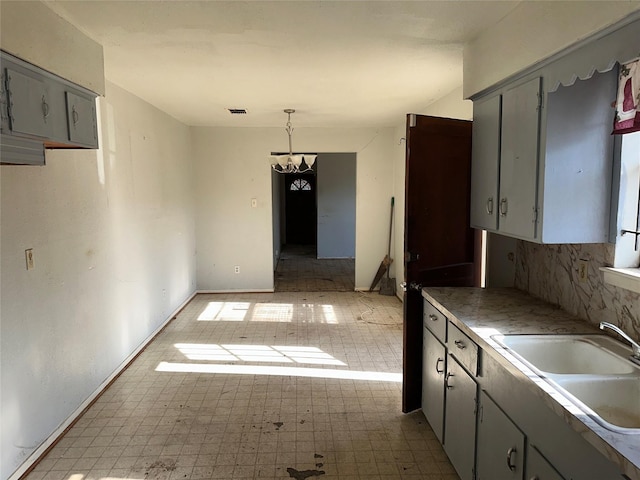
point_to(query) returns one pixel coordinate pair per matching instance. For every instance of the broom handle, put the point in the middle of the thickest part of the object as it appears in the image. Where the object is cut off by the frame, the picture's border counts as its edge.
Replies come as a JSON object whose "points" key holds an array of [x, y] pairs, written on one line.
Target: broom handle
{"points": [[390, 232]]}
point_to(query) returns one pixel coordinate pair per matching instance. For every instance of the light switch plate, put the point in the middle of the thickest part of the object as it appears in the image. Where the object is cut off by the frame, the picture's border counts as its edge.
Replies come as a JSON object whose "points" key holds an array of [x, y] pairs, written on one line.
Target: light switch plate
{"points": [[28, 257]]}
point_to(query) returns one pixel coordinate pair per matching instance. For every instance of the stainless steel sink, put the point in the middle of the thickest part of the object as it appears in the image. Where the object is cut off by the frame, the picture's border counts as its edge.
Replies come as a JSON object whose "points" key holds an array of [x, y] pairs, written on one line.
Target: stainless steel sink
{"points": [[594, 372]]}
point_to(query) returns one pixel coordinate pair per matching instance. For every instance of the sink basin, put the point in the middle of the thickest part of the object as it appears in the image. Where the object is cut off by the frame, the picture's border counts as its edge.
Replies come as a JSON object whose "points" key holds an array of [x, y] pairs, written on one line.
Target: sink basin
{"points": [[593, 372], [571, 354], [616, 401]]}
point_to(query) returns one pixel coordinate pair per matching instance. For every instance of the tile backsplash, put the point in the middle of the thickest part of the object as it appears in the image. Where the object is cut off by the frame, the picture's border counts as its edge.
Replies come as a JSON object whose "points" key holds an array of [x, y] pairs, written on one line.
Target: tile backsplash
{"points": [[550, 272]]}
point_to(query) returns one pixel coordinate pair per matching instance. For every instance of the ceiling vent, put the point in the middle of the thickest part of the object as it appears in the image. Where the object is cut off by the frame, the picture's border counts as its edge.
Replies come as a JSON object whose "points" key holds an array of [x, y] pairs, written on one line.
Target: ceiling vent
{"points": [[237, 111]]}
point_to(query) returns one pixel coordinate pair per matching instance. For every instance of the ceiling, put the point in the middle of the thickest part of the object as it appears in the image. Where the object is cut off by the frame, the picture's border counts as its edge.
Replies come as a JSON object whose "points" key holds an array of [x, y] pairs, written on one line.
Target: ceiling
{"points": [[338, 63]]}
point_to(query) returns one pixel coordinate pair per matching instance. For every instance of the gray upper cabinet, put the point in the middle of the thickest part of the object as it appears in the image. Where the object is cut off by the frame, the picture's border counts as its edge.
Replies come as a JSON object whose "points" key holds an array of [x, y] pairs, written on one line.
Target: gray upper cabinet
{"points": [[577, 162], [37, 106], [81, 119], [553, 173], [519, 160], [29, 106], [486, 162]]}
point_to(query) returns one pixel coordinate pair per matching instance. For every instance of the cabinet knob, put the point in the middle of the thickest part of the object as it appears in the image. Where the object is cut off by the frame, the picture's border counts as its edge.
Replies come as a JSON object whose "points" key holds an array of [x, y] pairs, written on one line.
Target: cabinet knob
{"points": [[460, 344], [510, 454], [74, 115], [504, 206], [433, 318]]}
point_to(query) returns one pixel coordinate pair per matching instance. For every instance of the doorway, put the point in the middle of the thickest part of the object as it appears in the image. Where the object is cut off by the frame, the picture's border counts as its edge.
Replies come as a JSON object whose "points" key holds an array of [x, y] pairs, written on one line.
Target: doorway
{"points": [[314, 226], [301, 209]]}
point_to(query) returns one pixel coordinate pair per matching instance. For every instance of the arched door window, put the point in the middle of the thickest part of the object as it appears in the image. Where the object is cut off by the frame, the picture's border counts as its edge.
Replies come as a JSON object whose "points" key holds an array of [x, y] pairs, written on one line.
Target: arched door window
{"points": [[300, 184]]}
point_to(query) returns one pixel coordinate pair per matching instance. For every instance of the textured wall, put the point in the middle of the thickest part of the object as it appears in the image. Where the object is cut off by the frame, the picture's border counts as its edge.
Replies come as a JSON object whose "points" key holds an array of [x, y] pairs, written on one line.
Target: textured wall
{"points": [[113, 237], [550, 272], [231, 168]]}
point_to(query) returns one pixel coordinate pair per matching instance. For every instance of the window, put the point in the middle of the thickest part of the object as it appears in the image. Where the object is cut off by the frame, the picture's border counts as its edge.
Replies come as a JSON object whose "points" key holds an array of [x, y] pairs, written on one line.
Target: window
{"points": [[626, 267], [299, 184]]}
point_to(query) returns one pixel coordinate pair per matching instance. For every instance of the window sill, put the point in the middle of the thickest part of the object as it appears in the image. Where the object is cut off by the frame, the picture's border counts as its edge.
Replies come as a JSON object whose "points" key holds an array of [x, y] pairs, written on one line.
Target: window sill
{"points": [[627, 278]]}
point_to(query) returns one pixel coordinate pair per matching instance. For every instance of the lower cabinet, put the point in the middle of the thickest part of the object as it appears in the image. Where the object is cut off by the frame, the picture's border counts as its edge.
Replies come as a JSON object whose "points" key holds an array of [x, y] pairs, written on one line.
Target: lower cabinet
{"points": [[491, 425], [460, 419], [433, 370], [500, 452], [538, 468]]}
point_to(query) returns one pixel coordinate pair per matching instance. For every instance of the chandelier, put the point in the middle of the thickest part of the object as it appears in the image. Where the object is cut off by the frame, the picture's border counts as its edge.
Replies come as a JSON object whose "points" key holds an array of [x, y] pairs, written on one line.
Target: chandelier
{"points": [[290, 163]]}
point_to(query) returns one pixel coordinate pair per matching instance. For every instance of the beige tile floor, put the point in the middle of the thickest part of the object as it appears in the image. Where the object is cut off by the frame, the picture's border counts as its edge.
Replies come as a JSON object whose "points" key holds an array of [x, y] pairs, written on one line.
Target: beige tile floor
{"points": [[244, 386]]}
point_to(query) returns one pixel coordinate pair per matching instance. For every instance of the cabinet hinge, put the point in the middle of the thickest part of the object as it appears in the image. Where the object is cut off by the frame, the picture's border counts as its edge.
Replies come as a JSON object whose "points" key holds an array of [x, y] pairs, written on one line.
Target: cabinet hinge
{"points": [[540, 100]]}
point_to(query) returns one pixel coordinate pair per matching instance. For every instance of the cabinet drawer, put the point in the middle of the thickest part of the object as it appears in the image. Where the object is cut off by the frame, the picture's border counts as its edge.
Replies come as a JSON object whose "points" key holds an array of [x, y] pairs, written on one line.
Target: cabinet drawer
{"points": [[463, 348], [435, 321]]}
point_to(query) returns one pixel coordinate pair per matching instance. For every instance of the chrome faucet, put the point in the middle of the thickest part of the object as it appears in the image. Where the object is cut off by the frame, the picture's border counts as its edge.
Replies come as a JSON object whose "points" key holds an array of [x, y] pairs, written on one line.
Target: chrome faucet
{"points": [[634, 344]]}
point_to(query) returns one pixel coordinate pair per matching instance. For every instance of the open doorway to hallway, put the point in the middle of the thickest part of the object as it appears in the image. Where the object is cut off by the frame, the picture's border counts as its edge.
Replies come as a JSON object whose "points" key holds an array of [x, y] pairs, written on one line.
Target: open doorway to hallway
{"points": [[314, 217]]}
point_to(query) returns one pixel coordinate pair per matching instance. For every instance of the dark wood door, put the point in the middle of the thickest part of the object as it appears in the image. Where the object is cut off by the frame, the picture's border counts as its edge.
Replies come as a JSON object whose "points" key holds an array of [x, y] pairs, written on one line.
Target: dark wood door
{"points": [[439, 244], [300, 209]]}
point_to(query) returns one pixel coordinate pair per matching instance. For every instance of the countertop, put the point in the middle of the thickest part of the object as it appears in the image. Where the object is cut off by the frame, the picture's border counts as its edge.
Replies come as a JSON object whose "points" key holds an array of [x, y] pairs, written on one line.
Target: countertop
{"points": [[481, 313]]}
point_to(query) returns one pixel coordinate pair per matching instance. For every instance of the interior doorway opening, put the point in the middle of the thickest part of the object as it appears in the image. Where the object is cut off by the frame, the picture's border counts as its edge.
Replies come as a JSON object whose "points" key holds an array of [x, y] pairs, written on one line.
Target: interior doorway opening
{"points": [[314, 226]]}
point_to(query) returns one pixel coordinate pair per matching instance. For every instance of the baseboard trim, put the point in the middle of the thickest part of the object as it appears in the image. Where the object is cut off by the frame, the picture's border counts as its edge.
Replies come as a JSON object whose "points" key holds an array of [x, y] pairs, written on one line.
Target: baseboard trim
{"points": [[257, 290], [32, 460]]}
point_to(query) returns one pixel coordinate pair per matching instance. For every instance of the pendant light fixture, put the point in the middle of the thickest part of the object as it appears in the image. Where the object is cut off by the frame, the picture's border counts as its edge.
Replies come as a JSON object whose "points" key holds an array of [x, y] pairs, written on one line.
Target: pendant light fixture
{"points": [[290, 163]]}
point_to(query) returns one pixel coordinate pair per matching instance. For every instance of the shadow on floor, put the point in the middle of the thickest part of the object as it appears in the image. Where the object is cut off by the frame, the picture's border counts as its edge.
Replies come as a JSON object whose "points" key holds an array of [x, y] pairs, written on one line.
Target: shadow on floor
{"points": [[299, 270]]}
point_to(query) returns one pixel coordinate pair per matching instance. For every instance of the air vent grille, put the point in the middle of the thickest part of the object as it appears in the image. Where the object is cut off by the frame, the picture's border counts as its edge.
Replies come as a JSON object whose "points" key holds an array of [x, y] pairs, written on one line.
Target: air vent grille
{"points": [[237, 111]]}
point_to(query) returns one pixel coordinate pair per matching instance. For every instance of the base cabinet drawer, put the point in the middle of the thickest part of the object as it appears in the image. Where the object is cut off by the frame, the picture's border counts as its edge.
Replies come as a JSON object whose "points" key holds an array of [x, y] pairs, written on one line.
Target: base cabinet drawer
{"points": [[435, 321]]}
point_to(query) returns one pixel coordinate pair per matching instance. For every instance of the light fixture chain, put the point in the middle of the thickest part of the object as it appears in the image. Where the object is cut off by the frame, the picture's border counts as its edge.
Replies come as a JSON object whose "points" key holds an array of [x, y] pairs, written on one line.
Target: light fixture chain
{"points": [[289, 130]]}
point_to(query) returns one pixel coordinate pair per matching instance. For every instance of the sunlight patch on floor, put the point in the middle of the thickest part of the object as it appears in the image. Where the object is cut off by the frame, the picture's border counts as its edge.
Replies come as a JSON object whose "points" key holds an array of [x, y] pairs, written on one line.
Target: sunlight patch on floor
{"points": [[279, 371], [257, 353], [268, 312]]}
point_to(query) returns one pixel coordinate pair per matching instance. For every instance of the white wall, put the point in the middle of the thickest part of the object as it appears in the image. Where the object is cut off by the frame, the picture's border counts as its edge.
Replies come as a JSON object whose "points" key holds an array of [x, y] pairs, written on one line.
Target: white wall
{"points": [[534, 31], [113, 237], [232, 167], [31, 31], [336, 187]]}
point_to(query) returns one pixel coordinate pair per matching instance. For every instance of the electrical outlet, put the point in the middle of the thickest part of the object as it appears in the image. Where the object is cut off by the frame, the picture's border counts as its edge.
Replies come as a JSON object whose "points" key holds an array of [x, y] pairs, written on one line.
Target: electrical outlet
{"points": [[236, 269], [254, 202], [28, 256], [583, 270]]}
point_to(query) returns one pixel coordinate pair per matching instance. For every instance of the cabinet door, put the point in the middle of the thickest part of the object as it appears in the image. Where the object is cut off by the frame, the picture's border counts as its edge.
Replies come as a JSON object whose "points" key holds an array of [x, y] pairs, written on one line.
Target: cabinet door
{"points": [[29, 105], [81, 118], [538, 468], [460, 419], [433, 369], [500, 444], [519, 160], [485, 162]]}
